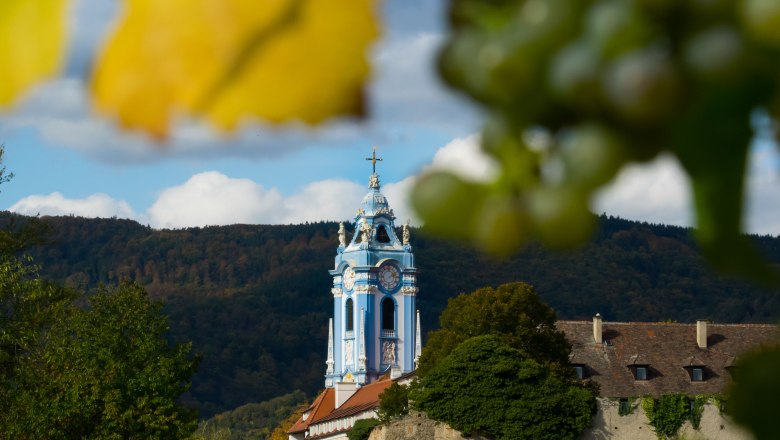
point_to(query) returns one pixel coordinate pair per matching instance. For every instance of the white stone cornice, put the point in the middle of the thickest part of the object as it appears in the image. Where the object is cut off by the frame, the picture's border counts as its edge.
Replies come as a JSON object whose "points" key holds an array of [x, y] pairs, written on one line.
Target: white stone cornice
{"points": [[337, 292], [409, 290], [365, 288]]}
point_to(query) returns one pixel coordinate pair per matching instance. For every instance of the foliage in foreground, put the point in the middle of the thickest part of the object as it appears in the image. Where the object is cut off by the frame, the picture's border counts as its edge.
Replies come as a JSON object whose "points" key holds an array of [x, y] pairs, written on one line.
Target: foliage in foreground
{"points": [[487, 387], [753, 397], [572, 97]]}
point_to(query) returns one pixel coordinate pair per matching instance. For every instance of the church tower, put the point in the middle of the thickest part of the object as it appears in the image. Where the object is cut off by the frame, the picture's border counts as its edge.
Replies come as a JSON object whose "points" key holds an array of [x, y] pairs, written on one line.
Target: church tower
{"points": [[375, 327]]}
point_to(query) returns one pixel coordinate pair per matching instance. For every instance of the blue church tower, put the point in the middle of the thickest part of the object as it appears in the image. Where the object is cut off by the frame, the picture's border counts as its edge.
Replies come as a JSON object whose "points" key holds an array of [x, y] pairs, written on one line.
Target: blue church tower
{"points": [[375, 325]]}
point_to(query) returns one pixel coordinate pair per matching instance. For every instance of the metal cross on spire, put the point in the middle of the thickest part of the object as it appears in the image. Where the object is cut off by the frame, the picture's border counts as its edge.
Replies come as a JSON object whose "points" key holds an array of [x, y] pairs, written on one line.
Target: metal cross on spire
{"points": [[374, 159]]}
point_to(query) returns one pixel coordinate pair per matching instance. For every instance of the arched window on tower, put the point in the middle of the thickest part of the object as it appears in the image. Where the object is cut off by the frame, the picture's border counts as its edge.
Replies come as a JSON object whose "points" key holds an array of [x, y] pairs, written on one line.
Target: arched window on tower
{"points": [[388, 318], [381, 235], [349, 311]]}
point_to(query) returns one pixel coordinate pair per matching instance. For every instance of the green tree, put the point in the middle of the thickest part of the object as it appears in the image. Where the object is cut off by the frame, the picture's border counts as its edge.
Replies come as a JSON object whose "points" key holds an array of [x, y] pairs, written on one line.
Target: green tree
{"points": [[105, 371], [362, 429], [486, 387], [513, 311], [393, 402], [28, 307]]}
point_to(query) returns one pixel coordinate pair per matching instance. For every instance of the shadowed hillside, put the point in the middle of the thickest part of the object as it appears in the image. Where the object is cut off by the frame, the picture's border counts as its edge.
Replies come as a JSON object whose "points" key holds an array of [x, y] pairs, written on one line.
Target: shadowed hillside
{"points": [[255, 299]]}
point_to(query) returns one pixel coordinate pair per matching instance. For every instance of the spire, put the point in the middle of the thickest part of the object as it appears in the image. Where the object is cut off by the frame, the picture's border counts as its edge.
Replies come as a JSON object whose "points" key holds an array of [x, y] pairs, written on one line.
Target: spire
{"points": [[373, 181], [417, 342], [362, 352], [330, 362]]}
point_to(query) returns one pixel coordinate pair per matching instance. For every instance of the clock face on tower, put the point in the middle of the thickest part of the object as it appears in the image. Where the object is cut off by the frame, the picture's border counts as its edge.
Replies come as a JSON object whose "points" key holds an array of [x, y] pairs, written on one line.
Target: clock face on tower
{"points": [[349, 278], [389, 276]]}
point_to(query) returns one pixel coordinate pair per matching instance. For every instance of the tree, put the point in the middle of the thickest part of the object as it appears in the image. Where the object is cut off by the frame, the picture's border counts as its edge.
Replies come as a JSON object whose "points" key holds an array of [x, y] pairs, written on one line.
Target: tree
{"points": [[362, 429], [393, 402], [106, 371], [280, 432], [28, 307], [486, 387], [512, 311]]}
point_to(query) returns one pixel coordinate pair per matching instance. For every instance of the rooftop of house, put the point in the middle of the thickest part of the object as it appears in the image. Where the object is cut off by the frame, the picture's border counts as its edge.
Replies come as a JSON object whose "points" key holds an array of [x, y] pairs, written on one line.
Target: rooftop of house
{"points": [[324, 409], [640, 358]]}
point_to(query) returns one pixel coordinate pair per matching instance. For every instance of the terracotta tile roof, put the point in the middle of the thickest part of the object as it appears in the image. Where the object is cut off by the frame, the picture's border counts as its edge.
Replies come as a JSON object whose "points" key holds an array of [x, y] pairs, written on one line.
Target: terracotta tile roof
{"points": [[322, 406], [666, 349], [364, 399]]}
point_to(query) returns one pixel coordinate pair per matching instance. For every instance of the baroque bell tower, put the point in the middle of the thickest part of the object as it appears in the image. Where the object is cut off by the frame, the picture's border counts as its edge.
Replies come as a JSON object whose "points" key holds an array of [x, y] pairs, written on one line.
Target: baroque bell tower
{"points": [[375, 325]]}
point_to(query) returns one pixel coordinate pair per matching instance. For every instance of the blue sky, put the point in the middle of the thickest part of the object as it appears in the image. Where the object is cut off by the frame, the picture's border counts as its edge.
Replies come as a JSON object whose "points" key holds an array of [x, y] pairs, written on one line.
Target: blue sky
{"points": [[67, 160]]}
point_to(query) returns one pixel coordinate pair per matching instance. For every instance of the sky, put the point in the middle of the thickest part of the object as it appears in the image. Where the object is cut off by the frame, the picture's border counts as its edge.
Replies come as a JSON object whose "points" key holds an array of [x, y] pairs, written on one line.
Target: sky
{"points": [[68, 160]]}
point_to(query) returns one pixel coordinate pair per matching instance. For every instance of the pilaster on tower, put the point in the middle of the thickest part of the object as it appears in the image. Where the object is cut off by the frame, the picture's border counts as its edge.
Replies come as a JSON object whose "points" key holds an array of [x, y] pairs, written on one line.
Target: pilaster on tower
{"points": [[417, 342], [329, 362]]}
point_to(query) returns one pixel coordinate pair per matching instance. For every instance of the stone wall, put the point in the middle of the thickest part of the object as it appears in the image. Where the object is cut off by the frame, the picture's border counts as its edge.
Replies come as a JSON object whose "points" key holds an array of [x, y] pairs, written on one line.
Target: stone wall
{"points": [[417, 426], [606, 424]]}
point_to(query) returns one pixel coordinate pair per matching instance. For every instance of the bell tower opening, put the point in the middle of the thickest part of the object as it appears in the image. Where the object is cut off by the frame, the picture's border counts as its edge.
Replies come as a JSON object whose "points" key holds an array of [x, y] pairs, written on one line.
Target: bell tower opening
{"points": [[381, 235], [388, 317]]}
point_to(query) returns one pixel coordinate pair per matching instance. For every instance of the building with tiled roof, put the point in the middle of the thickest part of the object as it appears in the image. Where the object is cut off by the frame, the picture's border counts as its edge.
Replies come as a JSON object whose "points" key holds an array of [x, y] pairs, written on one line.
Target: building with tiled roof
{"points": [[629, 359], [335, 411]]}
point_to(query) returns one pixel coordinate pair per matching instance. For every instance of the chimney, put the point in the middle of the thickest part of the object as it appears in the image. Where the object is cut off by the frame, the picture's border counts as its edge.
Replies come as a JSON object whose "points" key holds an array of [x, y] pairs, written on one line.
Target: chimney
{"points": [[701, 333], [597, 329], [344, 390]]}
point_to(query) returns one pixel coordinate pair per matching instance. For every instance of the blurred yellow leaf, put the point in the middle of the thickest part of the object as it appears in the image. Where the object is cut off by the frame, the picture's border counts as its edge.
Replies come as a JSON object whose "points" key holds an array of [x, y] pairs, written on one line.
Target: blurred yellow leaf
{"points": [[228, 59], [32, 38]]}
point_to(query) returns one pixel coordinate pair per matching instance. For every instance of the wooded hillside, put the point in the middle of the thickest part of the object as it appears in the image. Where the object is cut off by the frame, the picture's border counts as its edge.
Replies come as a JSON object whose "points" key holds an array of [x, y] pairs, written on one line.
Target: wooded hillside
{"points": [[255, 299]]}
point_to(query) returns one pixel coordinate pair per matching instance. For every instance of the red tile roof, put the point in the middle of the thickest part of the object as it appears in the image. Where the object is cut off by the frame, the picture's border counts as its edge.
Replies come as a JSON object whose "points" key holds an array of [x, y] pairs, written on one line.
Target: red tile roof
{"points": [[666, 349], [323, 409], [322, 406]]}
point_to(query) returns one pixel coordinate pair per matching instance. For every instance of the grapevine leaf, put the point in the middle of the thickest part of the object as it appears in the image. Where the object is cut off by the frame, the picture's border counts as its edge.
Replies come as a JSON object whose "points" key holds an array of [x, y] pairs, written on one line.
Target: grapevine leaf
{"points": [[32, 43], [225, 60]]}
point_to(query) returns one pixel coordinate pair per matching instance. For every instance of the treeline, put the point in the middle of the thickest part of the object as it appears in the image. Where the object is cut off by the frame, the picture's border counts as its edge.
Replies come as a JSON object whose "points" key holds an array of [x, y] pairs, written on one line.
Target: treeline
{"points": [[255, 299]]}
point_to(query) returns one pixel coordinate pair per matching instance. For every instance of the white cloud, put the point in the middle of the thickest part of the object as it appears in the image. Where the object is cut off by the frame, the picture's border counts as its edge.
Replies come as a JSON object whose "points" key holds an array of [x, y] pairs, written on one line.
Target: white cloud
{"points": [[656, 192], [96, 205], [333, 199], [464, 157], [211, 198]]}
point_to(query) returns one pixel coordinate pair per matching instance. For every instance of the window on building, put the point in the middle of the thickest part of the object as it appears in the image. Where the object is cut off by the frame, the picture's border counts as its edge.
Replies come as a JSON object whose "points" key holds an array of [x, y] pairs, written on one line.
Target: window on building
{"points": [[624, 408], [697, 374], [349, 311], [388, 317], [641, 373], [381, 235], [580, 371]]}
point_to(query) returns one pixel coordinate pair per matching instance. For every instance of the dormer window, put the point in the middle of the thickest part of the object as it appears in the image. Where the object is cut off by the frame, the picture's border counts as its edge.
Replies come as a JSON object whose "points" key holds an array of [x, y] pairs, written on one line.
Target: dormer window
{"points": [[579, 370], [639, 367], [696, 369], [696, 373]]}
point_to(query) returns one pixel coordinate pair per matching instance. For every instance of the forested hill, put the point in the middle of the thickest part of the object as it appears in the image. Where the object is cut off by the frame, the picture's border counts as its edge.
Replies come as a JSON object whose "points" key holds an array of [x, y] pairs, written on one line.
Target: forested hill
{"points": [[255, 299]]}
